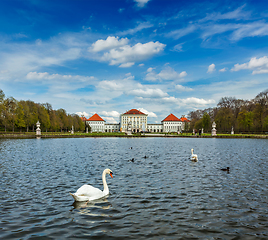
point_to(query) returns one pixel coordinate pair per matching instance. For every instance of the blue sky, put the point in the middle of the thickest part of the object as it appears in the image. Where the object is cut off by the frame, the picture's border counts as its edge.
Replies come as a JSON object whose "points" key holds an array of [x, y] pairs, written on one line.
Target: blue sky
{"points": [[108, 57]]}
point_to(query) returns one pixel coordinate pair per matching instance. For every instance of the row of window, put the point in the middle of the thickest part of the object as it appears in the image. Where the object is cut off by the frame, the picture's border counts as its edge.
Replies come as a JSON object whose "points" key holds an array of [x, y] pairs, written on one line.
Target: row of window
{"points": [[173, 123]]}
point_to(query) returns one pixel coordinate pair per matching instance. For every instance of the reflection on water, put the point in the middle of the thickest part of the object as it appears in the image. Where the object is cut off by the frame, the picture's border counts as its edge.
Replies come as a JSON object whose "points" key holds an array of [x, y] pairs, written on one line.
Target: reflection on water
{"points": [[162, 196], [86, 207]]}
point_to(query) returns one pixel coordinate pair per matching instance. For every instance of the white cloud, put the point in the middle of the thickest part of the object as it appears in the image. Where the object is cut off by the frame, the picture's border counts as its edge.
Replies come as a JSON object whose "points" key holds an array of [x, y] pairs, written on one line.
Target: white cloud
{"points": [[109, 43], [177, 102], [166, 74], [183, 89], [150, 69], [211, 68], [150, 114], [112, 85], [127, 54], [110, 120], [126, 65], [148, 93], [58, 84], [215, 24], [47, 76], [258, 66], [223, 70], [141, 3], [261, 71], [250, 30], [237, 14], [178, 47], [82, 114], [197, 101], [119, 86], [113, 114], [182, 32], [140, 27]]}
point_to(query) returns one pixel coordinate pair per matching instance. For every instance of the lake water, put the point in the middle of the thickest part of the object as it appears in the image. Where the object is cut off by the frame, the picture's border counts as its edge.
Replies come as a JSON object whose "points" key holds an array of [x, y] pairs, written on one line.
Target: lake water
{"points": [[163, 196]]}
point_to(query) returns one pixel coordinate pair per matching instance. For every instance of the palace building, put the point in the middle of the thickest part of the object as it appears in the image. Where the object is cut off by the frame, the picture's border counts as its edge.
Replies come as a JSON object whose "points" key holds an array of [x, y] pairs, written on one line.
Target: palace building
{"points": [[136, 121]]}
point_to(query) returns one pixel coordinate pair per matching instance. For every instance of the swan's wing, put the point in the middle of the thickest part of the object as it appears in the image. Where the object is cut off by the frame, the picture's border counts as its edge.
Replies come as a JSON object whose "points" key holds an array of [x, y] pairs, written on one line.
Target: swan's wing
{"points": [[79, 198], [194, 157], [89, 191]]}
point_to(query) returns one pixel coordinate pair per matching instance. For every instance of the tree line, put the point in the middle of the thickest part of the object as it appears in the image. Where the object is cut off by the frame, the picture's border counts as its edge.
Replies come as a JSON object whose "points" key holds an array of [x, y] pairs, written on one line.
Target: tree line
{"points": [[242, 115], [23, 116]]}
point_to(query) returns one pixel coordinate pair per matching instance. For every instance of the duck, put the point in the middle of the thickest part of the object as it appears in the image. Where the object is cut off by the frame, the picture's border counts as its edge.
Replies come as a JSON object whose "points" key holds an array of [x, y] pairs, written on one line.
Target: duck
{"points": [[131, 160], [90, 193], [145, 156], [193, 157]]}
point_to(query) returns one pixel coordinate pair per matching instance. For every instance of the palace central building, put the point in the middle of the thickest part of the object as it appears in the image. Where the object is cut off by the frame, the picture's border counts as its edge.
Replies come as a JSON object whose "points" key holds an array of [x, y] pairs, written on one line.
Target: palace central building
{"points": [[136, 121]]}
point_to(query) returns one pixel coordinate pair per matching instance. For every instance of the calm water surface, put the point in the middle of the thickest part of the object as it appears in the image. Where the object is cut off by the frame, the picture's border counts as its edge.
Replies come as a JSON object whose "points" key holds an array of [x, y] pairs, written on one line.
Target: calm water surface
{"points": [[163, 196]]}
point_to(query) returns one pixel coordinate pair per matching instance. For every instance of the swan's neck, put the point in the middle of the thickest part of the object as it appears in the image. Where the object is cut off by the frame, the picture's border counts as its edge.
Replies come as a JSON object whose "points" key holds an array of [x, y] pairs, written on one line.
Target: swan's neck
{"points": [[192, 150], [105, 186]]}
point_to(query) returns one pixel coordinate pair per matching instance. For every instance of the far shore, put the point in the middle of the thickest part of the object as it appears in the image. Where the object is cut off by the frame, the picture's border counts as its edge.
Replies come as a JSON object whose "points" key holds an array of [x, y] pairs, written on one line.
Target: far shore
{"points": [[28, 135]]}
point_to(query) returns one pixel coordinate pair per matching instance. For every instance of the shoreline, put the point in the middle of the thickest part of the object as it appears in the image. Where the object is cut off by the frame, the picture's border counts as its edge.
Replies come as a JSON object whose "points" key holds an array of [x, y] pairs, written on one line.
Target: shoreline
{"points": [[105, 135]]}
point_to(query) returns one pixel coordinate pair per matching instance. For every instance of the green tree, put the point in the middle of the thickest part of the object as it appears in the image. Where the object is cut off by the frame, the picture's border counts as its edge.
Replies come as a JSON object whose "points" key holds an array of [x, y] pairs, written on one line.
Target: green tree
{"points": [[265, 123], [245, 120], [79, 125], [9, 113], [32, 116], [63, 123], [198, 124], [30, 113], [43, 117], [54, 121], [224, 119], [19, 120], [2, 107], [206, 122], [260, 109]]}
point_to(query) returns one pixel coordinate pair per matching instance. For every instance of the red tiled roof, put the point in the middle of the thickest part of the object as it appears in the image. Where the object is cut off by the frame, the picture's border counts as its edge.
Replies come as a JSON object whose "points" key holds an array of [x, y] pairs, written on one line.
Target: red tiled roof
{"points": [[184, 119], [171, 118], [134, 111], [95, 117], [83, 118]]}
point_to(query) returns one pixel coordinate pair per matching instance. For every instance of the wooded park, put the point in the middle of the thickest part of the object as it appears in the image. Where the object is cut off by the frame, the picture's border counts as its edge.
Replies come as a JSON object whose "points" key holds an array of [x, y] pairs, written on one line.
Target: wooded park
{"points": [[246, 116], [23, 115]]}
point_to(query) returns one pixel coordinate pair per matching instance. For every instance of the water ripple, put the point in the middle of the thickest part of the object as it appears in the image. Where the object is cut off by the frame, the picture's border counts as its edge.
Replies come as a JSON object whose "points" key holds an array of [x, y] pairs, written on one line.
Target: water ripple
{"points": [[162, 196]]}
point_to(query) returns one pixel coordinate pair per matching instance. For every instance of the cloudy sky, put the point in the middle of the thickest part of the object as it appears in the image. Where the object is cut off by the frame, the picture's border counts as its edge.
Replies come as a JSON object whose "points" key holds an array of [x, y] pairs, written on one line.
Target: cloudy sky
{"points": [[107, 57]]}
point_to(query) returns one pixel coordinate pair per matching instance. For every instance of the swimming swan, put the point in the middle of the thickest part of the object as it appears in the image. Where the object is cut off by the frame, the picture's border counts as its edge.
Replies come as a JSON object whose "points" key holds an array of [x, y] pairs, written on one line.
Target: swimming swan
{"points": [[193, 156], [89, 193]]}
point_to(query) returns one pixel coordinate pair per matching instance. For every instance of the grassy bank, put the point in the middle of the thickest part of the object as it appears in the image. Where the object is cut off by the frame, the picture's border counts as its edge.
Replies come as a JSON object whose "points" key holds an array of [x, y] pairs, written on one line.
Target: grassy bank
{"points": [[115, 134], [57, 135]]}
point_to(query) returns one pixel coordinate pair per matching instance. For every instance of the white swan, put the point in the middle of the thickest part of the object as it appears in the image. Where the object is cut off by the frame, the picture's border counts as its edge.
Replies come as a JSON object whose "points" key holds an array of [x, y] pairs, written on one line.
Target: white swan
{"points": [[194, 156], [89, 193]]}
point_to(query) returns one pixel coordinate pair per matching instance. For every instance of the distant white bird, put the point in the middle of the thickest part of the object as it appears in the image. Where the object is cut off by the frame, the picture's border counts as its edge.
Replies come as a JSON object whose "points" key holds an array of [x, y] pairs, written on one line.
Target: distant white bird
{"points": [[89, 193], [193, 157]]}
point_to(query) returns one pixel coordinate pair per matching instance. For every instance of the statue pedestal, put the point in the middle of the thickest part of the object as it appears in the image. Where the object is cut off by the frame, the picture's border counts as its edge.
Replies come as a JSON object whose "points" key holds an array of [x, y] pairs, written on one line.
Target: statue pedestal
{"points": [[213, 131], [38, 130]]}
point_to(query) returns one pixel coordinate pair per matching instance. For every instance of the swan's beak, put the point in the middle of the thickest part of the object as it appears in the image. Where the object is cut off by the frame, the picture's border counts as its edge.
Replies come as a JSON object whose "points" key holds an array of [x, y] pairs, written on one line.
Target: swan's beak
{"points": [[111, 174]]}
